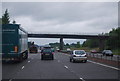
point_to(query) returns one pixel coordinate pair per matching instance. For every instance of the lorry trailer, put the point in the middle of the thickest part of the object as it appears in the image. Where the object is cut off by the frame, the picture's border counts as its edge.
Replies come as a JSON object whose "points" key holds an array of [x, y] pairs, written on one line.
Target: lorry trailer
{"points": [[14, 42]]}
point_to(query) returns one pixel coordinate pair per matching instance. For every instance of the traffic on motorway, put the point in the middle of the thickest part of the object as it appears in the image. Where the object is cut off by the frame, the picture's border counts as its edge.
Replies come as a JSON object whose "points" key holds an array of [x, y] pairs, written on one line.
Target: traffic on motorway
{"points": [[59, 68], [45, 62]]}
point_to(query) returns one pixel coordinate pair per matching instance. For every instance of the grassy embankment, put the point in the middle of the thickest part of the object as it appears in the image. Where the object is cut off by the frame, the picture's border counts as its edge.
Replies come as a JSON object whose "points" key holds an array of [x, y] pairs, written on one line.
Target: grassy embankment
{"points": [[116, 52]]}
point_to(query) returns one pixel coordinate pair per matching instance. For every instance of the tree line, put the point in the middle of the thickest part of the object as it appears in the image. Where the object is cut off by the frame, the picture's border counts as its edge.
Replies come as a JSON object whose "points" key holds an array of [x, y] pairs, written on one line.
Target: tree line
{"points": [[112, 43], [67, 45]]}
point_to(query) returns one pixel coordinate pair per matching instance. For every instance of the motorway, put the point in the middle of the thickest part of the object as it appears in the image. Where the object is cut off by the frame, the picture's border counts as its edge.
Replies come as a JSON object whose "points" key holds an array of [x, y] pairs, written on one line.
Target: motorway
{"points": [[59, 68]]}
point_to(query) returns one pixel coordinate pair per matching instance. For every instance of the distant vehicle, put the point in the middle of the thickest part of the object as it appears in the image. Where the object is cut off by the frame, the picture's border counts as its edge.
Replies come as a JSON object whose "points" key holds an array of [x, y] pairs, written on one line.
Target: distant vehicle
{"points": [[78, 55], [47, 54], [14, 43], [93, 51], [33, 49], [68, 49], [52, 49], [58, 50], [107, 52]]}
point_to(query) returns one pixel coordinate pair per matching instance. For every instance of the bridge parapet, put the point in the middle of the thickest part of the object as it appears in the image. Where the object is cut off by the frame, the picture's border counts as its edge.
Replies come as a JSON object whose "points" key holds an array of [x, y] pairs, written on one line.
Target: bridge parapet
{"points": [[68, 33]]}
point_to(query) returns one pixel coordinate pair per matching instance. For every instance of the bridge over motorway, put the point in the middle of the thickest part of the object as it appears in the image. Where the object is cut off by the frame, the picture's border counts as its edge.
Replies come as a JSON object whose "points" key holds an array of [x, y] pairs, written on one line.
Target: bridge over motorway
{"points": [[101, 38]]}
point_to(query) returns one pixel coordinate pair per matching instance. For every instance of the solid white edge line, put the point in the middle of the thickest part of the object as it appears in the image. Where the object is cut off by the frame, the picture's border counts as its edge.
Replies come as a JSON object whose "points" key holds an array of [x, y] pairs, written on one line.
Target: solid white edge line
{"points": [[104, 65]]}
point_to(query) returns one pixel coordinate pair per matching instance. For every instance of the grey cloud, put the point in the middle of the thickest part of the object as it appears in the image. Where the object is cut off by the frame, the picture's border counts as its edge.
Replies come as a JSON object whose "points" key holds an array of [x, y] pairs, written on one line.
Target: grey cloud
{"points": [[64, 12], [119, 14], [68, 17], [58, 15]]}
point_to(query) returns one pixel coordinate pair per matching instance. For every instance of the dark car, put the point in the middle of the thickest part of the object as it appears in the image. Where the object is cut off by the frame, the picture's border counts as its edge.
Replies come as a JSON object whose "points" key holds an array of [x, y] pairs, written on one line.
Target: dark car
{"points": [[33, 49], [47, 54], [107, 52]]}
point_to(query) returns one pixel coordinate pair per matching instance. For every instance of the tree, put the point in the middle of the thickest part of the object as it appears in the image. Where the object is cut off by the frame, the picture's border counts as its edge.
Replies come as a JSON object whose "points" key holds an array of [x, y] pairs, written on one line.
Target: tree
{"points": [[92, 43], [32, 43], [114, 41], [54, 44], [73, 45], [0, 20], [78, 45], [14, 22], [67, 44], [5, 17]]}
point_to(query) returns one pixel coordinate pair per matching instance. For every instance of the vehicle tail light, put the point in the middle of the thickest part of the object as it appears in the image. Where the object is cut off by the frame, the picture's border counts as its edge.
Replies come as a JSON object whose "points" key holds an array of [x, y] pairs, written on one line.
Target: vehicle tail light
{"points": [[16, 49]]}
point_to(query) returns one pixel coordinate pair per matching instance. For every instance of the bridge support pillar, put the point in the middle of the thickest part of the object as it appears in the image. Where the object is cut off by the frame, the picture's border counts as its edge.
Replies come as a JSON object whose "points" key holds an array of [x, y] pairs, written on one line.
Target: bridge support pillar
{"points": [[61, 43], [101, 44]]}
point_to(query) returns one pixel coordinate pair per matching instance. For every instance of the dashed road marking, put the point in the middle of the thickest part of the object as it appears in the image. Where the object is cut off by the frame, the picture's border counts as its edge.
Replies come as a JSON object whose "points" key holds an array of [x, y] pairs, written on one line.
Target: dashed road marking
{"points": [[104, 65], [82, 79], [54, 57], [23, 67], [58, 60], [28, 61], [66, 67], [10, 80]]}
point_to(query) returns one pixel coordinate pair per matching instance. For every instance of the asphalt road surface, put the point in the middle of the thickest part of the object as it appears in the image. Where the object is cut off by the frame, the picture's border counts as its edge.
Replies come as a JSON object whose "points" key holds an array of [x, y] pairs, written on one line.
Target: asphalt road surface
{"points": [[59, 68]]}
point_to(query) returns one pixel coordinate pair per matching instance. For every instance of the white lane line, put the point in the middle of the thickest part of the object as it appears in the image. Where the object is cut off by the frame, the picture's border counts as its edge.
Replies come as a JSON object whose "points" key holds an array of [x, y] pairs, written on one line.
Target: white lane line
{"points": [[28, 61], [23, 67], [10, 80], [66, 67], [54, 57], [104, 65], [58, 60], [82, 79]]}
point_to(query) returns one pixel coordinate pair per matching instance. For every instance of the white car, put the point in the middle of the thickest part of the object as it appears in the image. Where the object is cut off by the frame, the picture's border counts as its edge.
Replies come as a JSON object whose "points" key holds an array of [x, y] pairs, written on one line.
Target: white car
{"points": [[78, 55], [68, 49]]}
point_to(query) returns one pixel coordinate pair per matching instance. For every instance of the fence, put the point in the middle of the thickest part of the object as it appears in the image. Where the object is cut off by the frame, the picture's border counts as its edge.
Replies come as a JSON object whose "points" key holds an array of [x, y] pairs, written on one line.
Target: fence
{"points": [[101, 56]]}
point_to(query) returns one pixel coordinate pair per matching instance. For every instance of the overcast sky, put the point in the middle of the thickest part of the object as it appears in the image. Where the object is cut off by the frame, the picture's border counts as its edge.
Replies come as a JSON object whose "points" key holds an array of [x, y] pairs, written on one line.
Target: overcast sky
{"points": [[64, 17]]}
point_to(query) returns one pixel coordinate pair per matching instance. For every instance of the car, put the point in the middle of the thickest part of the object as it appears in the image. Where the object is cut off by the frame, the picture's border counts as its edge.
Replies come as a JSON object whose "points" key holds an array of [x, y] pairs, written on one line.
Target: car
{"points": [[33, 49], [47, 54], [58, 50], [107, 52], [93, 51], [78, 55], [68, 49]]}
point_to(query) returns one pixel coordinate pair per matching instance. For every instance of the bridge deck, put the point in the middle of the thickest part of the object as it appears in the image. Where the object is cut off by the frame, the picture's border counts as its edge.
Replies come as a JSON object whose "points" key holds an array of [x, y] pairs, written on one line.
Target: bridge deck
{"points": [[68, 36]]}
